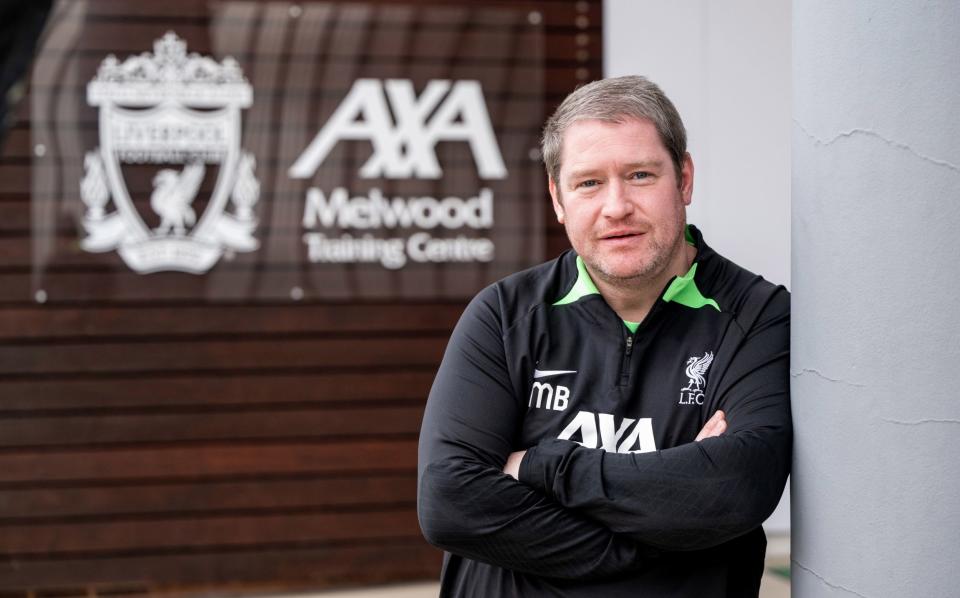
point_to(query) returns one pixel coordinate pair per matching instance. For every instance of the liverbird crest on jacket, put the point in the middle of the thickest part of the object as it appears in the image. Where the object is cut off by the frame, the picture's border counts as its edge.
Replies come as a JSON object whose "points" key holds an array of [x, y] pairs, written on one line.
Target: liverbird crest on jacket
{"points": [[696, 370]]}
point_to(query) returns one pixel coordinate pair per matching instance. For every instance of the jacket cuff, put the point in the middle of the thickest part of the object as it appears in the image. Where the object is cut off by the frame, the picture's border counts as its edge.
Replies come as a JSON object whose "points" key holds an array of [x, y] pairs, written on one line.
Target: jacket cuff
{"points": [[540, 464]]}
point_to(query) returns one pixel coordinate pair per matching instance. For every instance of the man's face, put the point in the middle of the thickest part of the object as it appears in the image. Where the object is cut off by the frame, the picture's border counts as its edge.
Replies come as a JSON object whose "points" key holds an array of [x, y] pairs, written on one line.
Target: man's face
{"points": [[619, 199]]}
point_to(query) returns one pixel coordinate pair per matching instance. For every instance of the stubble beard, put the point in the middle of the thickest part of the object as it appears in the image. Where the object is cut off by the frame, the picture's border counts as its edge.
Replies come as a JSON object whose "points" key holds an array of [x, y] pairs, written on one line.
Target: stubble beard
{"points": [[661, 254]]}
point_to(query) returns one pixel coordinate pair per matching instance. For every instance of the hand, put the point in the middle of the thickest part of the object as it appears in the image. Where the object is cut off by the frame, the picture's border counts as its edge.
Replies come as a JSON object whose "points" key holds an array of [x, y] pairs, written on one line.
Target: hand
{"points": [[512, 468], [715, 426]]}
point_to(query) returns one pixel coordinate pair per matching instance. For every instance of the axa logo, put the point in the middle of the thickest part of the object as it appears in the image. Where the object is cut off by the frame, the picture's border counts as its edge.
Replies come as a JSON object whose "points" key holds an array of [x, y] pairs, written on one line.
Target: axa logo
{"points": [[612, 434], [692, 393], [405, 146]]}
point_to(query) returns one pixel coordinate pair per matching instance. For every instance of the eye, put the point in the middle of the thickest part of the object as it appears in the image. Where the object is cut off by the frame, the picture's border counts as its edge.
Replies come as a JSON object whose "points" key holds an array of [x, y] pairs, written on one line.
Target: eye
{"points": [[588, 183], [640, 175]]}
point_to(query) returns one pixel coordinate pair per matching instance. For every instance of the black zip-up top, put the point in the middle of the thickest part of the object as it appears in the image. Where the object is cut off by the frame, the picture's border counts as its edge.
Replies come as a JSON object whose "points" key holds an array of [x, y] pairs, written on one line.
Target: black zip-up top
{"points": [[615, 498]]}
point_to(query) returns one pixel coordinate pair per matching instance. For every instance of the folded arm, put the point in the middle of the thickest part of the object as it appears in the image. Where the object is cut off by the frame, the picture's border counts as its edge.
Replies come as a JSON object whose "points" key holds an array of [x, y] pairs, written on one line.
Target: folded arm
{"points": [[466, 504], [700, 494]]}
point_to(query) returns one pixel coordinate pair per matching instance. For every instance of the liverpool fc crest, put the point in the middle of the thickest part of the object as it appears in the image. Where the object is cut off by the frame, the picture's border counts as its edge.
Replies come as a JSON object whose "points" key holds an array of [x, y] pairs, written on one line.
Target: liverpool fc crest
{"points": [[696, 371], [172, 120]]}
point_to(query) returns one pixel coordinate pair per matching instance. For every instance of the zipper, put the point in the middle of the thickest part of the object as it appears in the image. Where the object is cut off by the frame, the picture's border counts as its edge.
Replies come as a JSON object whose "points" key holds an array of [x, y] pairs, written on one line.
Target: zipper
{"points": [[627, 352]]}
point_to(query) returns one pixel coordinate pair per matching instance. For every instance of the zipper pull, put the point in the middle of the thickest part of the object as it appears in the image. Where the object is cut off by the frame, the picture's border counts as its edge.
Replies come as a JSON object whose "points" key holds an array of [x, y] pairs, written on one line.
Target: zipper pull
{"points": [[629, 345]]}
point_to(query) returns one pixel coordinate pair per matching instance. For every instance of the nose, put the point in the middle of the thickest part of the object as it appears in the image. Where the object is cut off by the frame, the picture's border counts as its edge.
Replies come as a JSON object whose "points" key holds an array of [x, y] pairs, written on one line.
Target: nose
{"points": [[616, 202]]}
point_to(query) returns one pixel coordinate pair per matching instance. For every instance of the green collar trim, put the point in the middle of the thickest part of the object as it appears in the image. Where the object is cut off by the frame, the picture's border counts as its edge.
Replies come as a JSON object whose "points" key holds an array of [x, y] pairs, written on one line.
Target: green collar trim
{"points": [[682, 290], [583, 287]]}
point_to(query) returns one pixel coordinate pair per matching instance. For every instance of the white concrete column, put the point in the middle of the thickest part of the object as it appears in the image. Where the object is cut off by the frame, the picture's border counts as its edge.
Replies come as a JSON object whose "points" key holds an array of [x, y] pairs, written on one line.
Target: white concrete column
{"points": [[876, 298]]}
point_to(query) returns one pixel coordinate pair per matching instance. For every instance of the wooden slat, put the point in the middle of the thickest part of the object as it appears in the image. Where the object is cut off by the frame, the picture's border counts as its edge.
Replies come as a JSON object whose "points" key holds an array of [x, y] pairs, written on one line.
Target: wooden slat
{"points": [[486, 64], [49, 540], [513, 139], [262, 495], [190, 461], [15, 216], [165, 391], [556, 10], [238, 355], [520, 84], [266, 568], [493, 47], [327, 424], [481, 30], [476, 45], [551, 97], [330, 282], [507, 202], [17, 180], [63, 254], [69, 322], [67, 253]]}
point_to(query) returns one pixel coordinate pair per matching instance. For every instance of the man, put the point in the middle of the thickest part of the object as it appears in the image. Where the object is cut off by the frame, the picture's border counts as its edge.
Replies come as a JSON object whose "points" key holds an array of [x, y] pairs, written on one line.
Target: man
{"points": [[614, 422]]}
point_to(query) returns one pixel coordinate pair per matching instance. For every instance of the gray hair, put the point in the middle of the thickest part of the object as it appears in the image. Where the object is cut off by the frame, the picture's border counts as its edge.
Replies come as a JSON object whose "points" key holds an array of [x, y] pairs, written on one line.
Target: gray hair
{"points": [[615, 100]]}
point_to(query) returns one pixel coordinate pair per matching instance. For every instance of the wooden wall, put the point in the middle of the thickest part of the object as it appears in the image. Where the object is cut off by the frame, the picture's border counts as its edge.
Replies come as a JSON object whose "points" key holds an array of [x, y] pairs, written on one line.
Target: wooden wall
{"points": [[154, 438]]}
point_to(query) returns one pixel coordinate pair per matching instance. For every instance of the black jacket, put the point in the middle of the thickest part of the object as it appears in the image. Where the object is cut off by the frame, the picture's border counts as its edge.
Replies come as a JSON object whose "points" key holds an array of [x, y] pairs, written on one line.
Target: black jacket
{"points": [[615, 498]]}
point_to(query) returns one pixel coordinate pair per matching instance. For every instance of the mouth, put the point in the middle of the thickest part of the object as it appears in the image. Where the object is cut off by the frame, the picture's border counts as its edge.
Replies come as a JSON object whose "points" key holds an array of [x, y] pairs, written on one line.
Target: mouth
{"points": [[619, 235]]}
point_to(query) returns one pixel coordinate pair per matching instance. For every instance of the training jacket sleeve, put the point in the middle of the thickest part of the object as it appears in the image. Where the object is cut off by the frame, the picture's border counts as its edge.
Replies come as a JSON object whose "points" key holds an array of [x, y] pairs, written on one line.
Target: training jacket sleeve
{"points": [[465, 504], [700, 494]]}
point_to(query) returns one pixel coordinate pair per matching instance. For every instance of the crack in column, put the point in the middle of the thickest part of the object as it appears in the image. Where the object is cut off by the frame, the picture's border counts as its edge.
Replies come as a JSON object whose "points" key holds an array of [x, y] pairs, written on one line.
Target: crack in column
{"points": [[825, 581], [870, 133], [919, 422], [797, 374]]}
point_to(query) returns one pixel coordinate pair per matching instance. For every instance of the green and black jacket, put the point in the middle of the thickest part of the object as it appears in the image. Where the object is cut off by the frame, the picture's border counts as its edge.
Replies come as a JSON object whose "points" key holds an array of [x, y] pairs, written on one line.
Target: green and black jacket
{"points": [[615, 498]]}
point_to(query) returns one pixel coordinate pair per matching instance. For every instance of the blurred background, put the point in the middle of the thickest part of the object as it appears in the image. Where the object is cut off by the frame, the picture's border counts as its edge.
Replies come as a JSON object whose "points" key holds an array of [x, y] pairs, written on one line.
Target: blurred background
{"points": [[236, 236]]}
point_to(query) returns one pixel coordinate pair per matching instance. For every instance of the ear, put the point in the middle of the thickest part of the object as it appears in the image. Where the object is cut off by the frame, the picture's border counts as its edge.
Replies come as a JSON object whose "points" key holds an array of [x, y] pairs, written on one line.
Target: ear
{"points": [[555, 196], [686, 179]]}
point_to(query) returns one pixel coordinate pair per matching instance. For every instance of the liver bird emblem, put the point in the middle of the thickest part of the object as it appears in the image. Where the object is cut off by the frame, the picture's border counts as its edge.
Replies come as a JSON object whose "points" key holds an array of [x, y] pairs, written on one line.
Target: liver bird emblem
{"points": [[173, 192], [696, 370]]}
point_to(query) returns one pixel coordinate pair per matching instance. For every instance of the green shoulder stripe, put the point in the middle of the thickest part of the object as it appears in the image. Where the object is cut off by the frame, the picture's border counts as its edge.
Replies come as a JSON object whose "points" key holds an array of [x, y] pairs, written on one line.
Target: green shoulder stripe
{"points": [[583, 287], [683, 290]]}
